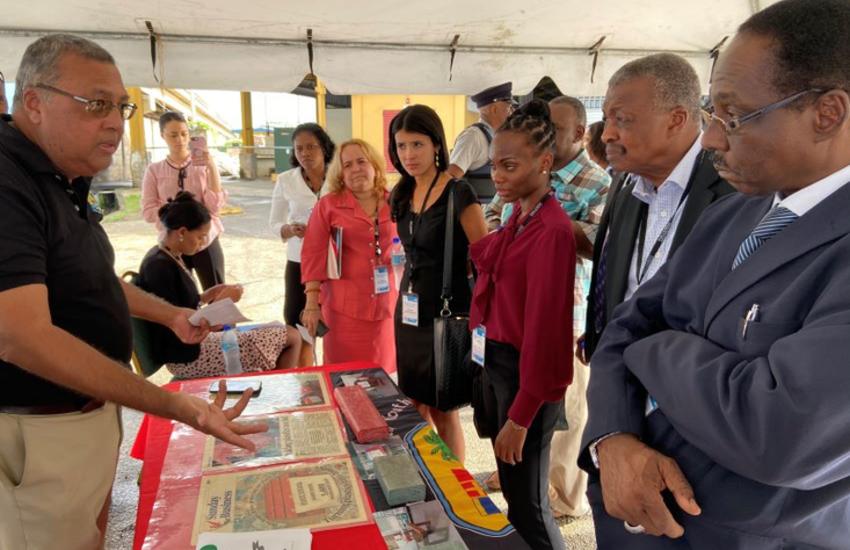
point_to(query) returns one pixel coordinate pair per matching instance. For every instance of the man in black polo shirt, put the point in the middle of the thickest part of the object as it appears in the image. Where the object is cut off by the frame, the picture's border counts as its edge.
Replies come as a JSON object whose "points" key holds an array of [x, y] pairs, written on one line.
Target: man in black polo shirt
{"points": [[65, 336]]}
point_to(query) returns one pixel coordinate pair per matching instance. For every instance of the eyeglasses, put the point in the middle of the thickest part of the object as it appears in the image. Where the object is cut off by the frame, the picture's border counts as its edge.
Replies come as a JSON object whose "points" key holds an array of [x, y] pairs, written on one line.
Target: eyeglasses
{"points": [[98, 107], [732, 125]]}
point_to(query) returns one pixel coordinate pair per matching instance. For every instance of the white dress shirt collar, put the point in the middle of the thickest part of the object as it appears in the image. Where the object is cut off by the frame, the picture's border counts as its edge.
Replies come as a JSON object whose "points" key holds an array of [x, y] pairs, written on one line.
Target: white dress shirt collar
{"points": [[808, 197], [681, 174]]}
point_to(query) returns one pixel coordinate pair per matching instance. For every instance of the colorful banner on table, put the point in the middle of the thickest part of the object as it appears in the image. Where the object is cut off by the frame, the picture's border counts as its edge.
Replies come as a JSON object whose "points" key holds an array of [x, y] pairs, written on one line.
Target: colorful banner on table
{"points": [[462, 497]]}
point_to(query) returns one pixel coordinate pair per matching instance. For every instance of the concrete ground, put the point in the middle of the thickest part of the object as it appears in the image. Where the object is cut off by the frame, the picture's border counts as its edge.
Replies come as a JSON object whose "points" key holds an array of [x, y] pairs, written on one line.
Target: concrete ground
{"points": [[255, 258]]}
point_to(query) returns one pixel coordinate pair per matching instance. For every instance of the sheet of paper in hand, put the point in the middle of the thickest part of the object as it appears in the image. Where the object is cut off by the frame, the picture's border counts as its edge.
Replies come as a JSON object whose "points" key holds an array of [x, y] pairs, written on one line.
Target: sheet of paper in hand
{"points": [[222, 312]]}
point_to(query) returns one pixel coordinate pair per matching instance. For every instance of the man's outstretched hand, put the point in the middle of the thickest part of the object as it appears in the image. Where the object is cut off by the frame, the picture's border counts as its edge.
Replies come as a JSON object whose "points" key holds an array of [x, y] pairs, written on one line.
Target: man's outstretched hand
{"points": [[212, 418]]}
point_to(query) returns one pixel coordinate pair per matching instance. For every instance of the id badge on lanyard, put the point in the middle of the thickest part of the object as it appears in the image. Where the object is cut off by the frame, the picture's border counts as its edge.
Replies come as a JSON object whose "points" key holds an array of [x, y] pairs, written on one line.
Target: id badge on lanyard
{"points": [[382, 279], [479, 341], [410, 309]]}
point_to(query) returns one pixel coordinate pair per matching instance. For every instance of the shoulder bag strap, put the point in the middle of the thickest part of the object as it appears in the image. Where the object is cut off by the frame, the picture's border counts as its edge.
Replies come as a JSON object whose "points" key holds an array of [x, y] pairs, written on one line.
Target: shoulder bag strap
{"points": [[485, 131], [448, 251]]}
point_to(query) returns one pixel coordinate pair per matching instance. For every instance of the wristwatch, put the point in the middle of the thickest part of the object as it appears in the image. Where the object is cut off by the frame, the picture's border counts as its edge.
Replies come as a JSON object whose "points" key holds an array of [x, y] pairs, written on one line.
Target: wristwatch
{"points": [[594, 456]]}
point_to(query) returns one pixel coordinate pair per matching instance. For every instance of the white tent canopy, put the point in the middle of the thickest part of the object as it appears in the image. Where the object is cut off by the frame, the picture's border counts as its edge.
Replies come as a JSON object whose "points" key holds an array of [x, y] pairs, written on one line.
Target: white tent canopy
{"points": [[379, 46]]}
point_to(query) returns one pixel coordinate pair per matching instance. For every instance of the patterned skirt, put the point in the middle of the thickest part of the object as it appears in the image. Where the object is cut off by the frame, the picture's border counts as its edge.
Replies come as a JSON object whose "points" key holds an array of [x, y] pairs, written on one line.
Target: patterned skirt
{"points": [[259, 349]]}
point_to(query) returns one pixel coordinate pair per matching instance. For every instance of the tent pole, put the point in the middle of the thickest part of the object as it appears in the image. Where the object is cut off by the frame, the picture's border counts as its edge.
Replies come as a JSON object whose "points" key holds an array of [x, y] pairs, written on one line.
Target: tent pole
{"points": [[321, 104]]}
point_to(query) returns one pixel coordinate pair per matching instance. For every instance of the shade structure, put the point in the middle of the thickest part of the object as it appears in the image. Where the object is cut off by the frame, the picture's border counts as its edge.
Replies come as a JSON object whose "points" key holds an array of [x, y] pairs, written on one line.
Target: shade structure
{"points": [[378, 46]]}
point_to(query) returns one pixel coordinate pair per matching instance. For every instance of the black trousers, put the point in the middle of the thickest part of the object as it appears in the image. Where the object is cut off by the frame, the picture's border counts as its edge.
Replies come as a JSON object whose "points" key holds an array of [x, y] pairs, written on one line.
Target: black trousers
{"points": [[208, 265], [295, 299], [525, 485]]}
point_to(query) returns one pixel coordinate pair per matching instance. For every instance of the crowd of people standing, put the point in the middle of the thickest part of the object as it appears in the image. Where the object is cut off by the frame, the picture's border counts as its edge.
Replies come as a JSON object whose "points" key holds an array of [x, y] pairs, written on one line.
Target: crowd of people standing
{"points": [[698, 261]]}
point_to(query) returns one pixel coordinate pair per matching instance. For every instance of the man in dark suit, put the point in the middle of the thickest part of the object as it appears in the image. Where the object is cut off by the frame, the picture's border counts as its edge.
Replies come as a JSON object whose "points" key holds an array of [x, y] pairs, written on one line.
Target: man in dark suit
{"points": [[718, 394], [652, 129]]}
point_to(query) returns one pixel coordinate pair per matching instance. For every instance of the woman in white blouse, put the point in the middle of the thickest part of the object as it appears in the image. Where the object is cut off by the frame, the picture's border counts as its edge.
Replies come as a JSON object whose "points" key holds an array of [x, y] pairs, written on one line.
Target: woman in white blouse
{"points": [[295, 194]]}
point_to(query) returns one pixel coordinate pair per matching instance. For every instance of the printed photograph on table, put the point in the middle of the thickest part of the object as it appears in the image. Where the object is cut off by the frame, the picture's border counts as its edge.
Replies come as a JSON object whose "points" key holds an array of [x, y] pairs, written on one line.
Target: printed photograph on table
{"points": [[376, 382], [418, 525], [315, 495], [281, 392], [365, 454], [290, 437]]}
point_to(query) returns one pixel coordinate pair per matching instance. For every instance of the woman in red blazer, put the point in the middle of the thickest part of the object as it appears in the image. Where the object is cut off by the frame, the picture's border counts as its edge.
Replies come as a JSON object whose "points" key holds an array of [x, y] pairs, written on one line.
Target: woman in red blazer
{"points": [[358, 306]]}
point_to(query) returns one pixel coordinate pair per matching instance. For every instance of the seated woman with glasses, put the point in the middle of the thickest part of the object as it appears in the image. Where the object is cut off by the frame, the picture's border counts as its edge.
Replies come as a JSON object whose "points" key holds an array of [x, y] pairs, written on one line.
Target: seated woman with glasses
{"points": [[187, 224], [164, 179]]}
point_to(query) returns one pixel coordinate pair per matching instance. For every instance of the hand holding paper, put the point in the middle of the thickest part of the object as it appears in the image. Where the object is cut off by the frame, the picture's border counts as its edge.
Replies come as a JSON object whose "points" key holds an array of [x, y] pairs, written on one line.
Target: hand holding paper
{"points": [[222, 312]]}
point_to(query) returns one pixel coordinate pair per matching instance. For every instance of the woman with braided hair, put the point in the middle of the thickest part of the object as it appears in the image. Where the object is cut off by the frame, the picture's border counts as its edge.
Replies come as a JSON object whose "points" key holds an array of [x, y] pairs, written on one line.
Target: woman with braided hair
{"points": [[521, 318]]}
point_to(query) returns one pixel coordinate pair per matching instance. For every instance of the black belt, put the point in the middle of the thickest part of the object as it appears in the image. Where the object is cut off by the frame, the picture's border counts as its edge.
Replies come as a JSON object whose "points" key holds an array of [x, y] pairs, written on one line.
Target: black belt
{"points": [[61, 408]]}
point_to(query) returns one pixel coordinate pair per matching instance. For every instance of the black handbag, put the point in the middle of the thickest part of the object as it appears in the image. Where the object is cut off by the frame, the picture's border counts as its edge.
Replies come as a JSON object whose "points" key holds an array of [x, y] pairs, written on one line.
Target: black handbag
{"points": [[452, 338]]}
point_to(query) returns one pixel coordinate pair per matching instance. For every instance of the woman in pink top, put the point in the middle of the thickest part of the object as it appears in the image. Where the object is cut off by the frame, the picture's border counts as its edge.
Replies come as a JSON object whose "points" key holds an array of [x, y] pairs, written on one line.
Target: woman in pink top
{"points": [[358, 306], [164, 179]]}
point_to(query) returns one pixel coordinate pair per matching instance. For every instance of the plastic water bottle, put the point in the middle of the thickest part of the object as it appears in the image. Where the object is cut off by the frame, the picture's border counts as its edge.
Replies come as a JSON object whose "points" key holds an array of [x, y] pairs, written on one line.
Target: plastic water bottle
{"points": [[230, 349], [397, 259]]}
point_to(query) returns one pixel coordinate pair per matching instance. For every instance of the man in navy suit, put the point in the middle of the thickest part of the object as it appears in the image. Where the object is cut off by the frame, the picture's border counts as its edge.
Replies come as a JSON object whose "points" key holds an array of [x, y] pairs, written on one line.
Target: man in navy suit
{"points": [[719, 394]]}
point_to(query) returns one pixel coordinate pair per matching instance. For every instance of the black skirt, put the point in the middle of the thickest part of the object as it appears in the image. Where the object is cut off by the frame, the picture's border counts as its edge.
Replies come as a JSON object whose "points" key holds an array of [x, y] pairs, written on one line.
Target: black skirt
{"points": [[295, 299]]}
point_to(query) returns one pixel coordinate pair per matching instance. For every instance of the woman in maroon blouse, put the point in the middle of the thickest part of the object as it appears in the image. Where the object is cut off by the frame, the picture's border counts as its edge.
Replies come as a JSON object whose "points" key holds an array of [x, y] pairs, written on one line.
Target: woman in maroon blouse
{"points": [[521, 318]]}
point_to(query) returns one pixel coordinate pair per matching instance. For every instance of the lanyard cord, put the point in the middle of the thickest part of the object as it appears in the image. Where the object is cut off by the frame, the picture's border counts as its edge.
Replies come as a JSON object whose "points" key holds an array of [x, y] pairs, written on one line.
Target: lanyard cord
{"points": [[503, 246], [517, 232], [521, 227], [378, 250], [641, 273], [414, 228], [181, 174]]}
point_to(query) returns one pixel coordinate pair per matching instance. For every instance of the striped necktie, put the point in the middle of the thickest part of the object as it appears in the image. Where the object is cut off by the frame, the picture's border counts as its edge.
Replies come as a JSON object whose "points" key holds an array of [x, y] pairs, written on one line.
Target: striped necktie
{"points": [[776, 220]]}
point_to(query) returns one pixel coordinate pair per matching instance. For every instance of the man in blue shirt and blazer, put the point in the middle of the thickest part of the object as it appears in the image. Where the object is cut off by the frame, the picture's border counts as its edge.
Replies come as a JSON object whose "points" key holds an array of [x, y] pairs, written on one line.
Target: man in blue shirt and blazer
{"points": [[719, 393]]}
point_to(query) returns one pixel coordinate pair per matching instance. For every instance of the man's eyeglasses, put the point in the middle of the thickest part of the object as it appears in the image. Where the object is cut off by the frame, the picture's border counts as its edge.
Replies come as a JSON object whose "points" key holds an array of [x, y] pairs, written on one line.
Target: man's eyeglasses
{"points": [[732, 125], [98, 107]]}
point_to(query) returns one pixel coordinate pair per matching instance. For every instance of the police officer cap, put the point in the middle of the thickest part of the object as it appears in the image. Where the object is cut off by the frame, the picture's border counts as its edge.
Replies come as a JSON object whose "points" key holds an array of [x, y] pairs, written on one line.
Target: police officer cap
{"points": [[502, 92]]}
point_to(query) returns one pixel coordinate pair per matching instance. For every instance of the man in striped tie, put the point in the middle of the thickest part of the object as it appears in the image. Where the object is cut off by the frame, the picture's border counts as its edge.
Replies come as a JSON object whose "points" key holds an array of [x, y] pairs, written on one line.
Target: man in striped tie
{"points": [[719, 393]]}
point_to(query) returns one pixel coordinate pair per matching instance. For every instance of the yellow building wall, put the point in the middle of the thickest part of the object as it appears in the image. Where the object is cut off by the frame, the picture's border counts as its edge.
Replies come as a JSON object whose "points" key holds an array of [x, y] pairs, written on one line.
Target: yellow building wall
{"points": [[367, 114]]}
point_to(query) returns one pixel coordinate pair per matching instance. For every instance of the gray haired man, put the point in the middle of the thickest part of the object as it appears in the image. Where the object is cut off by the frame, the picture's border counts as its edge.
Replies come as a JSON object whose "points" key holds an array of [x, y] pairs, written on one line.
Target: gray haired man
{"points": [[65, 336]]}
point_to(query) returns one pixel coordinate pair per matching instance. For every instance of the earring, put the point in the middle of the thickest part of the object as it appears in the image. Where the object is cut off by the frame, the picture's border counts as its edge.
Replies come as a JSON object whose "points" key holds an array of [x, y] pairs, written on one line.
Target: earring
{"points": [[437, 159], [544, 172], [181, 238]]}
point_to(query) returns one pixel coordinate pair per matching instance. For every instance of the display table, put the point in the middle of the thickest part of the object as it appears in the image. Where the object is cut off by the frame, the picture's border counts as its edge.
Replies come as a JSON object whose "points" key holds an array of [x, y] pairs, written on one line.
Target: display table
{"points": [[171, 475]]}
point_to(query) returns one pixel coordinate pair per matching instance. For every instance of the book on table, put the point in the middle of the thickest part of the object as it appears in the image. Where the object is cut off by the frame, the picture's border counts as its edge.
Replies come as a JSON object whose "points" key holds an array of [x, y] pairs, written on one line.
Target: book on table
{"points": [[335, 253]]}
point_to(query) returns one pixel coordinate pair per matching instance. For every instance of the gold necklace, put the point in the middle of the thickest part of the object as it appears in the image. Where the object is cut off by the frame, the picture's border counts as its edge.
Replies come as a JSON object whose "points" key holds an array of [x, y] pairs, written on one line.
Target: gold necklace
{"points": [[178, 260]]}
